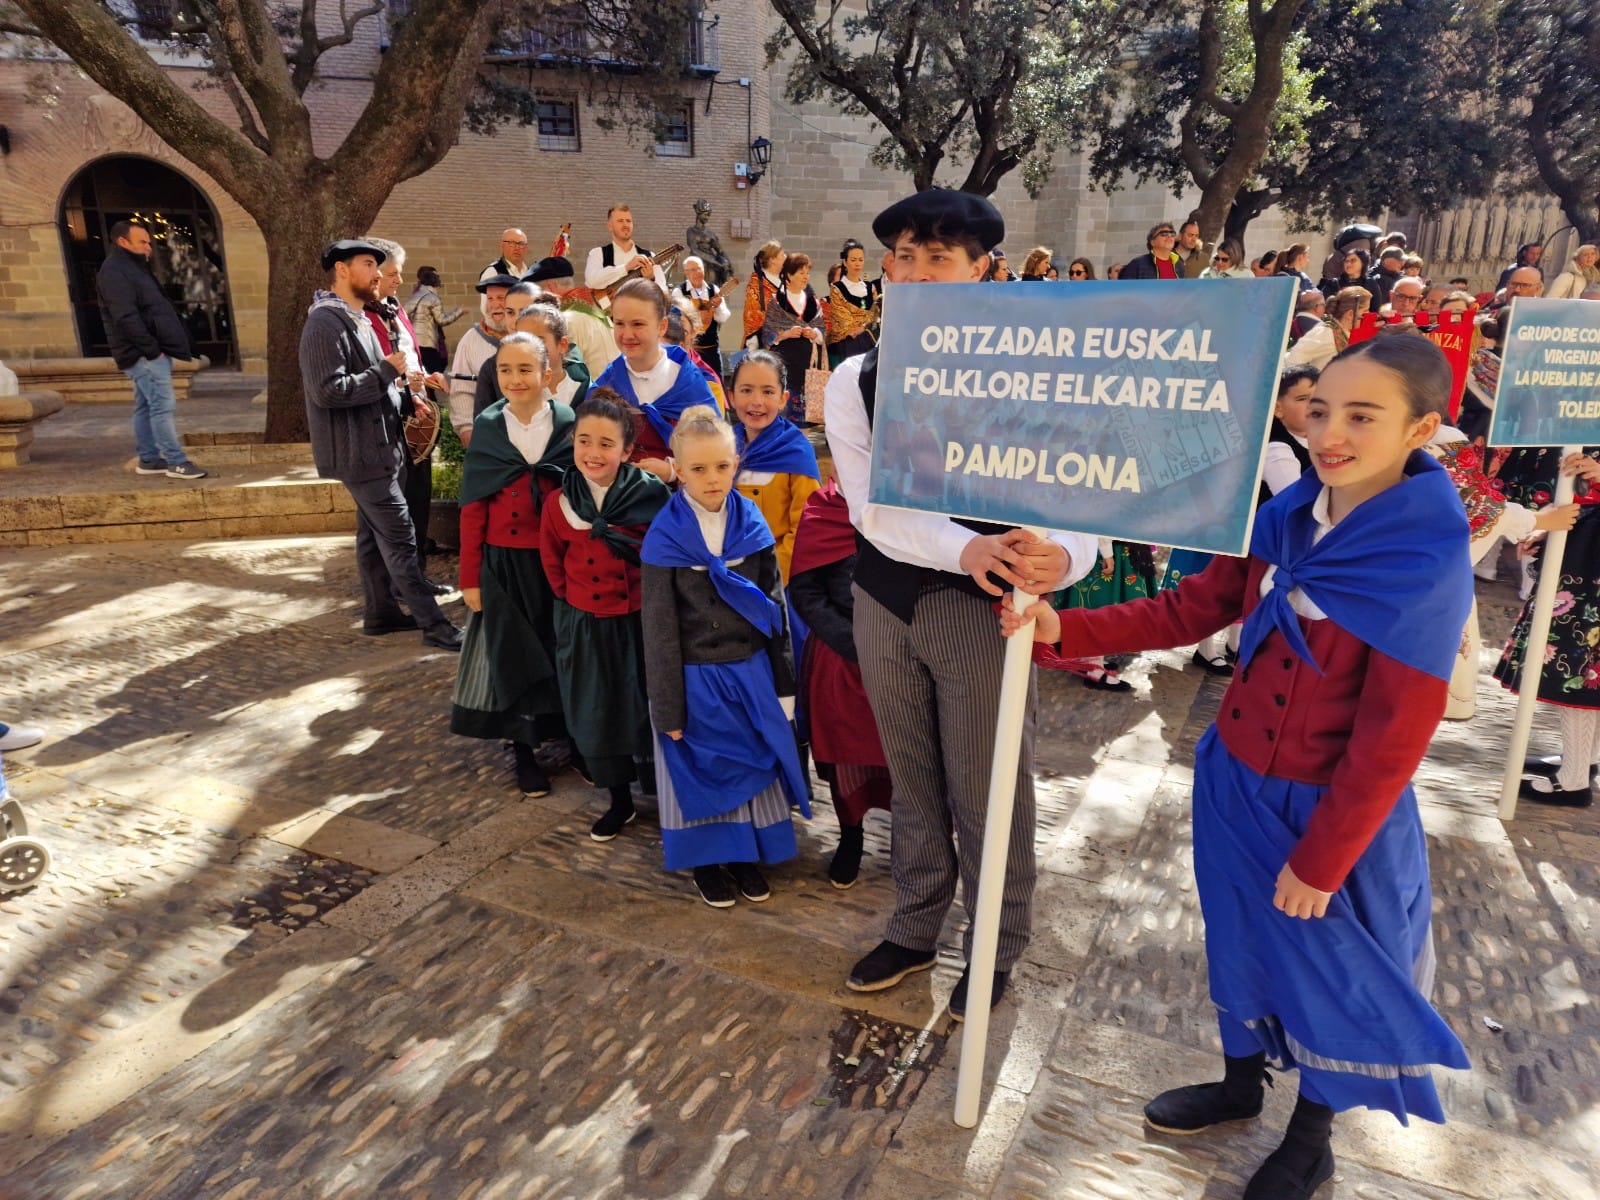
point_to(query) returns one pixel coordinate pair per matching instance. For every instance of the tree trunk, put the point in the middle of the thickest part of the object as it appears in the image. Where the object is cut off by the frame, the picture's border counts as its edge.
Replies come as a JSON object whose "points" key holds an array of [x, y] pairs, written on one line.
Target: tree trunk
{"points": [[1246, 207], [294, 273]]}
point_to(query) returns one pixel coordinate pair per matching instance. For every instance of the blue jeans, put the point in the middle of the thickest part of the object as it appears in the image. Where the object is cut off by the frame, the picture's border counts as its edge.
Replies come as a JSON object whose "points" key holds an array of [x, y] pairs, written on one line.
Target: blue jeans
{"points": [[155, 429]]}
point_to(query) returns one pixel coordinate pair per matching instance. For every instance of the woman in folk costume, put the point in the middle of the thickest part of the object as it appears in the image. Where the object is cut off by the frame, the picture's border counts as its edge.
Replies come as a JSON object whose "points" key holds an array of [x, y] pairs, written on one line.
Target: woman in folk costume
{"points": [[506, 685], [854, 306], [758, 293], [1308, 847], [591, 536], [1570, 679], [777, 466], [716, 662], [657, 381], [833, 701], [795, 328], [1490, 516]]}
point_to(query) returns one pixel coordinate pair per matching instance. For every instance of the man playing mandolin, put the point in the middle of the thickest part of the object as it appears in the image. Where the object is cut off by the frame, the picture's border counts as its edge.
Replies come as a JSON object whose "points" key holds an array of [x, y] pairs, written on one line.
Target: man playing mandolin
{"points": [[705, 302], [610, 264]]}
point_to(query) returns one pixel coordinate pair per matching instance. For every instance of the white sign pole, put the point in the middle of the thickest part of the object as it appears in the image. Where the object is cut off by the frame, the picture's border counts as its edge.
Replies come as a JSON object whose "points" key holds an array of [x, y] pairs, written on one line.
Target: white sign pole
{"points": [[1544, 600], [992, 872]]}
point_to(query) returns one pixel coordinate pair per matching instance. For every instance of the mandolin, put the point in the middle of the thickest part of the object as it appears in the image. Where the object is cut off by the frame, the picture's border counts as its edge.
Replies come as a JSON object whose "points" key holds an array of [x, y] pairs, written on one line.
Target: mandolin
{"points": [[704, 308], [661, 258]]}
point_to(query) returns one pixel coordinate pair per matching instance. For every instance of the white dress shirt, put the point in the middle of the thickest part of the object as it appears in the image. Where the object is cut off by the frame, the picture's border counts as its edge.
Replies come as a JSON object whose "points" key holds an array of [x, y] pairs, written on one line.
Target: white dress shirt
{"points": [[919, 539], [597, 275], [531, 438]]}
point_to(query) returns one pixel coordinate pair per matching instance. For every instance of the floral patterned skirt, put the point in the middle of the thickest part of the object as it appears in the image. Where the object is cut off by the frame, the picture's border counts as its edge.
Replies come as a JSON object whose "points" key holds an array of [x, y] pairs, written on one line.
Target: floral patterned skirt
{"points": [[1571, 675]]}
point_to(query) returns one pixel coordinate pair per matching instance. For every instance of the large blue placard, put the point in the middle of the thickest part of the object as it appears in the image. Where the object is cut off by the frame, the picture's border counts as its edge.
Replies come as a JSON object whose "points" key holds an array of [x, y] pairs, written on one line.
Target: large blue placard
{"points": [[1549, 392], [1134, 410]]}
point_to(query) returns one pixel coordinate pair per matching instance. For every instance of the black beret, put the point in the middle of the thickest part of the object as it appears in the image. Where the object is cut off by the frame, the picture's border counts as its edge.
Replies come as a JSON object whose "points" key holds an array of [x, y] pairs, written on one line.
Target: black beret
{"points": [[348, 249], [506, 281], [552, 268], [939, 213]]}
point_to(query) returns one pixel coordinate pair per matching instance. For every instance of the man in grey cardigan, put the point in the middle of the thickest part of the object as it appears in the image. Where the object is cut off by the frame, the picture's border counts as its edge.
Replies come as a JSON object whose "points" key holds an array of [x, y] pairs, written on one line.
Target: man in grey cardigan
{"points": [[353, 407]]}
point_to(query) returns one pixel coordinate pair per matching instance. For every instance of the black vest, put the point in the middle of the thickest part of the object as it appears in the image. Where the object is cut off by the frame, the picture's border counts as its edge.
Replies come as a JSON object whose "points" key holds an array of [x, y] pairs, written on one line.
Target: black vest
{"points": [[608, 253], [896, 585], [1280, 433]]}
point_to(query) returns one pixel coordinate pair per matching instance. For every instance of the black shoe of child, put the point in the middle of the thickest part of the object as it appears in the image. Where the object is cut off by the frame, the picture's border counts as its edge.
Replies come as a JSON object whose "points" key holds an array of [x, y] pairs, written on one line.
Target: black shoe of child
{"points": [[846, 863], [1304, 1160], [531, 781], [1199, 1106], [886, 966], [1212, 666], [958, 998], [716, 889], [1558, 797], [1106, 681], [752, 884], [619, 814]]}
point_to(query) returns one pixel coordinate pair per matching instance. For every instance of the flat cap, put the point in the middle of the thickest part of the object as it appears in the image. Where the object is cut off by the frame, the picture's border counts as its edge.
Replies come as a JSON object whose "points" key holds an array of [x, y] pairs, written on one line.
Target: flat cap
{"points": [[347, 249], [506, 281], [552, 268], [939, 213]]}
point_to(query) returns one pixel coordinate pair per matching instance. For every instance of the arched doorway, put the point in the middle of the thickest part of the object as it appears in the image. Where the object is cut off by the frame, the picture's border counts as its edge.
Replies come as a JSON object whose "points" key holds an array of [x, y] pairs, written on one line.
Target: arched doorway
{"points": [[187, 260]]}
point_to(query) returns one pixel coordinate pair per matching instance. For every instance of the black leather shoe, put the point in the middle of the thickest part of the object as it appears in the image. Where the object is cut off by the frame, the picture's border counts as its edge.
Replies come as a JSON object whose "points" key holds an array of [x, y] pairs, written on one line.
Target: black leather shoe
{"points": [[1557, 797], [1212, 666], [439, 589], [443, 637], [398, 623], [886, 966], [958, 998], [1199, 1106], [1283, 1177]]}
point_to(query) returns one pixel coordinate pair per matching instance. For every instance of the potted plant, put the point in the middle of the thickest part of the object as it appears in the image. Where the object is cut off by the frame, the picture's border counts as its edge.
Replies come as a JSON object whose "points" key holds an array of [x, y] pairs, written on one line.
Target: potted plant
{"points": [[444, 520]]}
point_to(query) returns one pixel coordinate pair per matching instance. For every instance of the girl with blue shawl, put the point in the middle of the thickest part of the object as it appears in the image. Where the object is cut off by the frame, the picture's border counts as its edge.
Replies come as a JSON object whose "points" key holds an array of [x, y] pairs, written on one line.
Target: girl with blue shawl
{"points": [[777, 466], [717, 661], [1309, 852], [658, 381]]}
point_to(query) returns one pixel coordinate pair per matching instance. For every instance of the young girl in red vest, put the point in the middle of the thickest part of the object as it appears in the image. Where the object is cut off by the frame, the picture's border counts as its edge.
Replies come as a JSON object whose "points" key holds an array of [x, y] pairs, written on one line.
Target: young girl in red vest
{"points": [[591, 534], [1309, 852], [521, 445], [658, 382]]}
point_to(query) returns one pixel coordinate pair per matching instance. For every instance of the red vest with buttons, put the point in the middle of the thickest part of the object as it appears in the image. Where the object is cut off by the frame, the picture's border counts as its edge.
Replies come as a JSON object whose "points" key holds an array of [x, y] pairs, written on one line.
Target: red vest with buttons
{"points": [[582, 569], [1360, 728], [508, 518]]}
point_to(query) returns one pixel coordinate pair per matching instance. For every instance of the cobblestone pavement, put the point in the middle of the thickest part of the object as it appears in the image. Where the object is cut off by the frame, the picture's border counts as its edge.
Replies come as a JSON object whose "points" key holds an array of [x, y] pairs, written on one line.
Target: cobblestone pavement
{"points": [[298, 941]]}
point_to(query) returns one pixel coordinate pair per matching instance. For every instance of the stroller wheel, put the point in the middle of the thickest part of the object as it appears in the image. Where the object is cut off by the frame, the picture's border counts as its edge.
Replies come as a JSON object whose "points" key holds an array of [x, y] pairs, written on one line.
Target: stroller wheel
{"points": [[22, 861]]}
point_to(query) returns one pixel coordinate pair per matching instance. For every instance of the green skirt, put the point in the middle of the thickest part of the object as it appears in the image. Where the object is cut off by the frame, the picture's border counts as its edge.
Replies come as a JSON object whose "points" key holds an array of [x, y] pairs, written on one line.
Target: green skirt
{"points": [[1097, 589], [507, 675], [600, 661]]}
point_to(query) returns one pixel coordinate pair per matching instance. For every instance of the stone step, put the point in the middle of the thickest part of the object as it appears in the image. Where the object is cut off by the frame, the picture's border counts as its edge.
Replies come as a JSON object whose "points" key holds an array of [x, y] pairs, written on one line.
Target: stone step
{"points": [[234, 507]]}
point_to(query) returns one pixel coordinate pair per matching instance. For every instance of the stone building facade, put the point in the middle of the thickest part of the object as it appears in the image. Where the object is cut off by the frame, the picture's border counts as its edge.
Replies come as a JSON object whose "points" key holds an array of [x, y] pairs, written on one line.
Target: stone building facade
{"points": [[451, 217]]}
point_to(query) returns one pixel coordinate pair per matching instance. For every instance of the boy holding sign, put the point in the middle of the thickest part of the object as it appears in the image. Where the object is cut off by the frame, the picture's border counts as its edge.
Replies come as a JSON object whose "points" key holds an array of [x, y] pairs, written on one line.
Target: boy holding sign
{"points": [[924, 630]]}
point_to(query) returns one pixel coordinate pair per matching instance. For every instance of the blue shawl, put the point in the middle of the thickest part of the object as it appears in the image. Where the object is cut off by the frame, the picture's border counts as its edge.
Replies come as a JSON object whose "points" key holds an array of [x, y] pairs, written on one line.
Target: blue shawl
{"points": [[780, 448], [1394, 573], [691, 387], [675, 540]]}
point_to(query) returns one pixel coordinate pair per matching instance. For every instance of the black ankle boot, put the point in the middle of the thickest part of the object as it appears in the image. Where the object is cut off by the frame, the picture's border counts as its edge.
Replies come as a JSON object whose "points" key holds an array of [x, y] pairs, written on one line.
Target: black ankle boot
{"points": [[619, 814], [1200, 1105], [1304, 1160], [846, 864], [531, 781]]}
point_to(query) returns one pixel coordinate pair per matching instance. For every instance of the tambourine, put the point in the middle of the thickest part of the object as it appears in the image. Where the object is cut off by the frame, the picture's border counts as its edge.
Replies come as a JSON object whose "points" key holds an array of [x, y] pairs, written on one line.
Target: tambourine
{"points": [[421, 427]]}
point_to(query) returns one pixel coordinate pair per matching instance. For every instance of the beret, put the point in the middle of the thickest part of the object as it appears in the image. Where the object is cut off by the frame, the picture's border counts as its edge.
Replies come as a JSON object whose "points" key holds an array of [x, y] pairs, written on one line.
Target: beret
{"points": [[552, 268], [506, 281], [941, 213], [347, 249]]}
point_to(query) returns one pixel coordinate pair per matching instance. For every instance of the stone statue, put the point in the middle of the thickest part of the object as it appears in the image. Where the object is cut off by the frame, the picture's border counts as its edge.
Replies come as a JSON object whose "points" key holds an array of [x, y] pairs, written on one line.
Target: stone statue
{"points": [[703, 242]]}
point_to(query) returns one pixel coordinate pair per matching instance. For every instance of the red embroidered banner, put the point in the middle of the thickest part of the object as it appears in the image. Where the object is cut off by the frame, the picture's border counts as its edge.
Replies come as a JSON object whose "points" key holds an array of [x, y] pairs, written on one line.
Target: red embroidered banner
{"points": [[1451, 332]]}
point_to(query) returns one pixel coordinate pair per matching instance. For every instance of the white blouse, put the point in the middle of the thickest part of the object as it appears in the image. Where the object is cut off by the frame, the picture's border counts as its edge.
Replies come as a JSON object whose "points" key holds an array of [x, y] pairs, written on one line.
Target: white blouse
{"points": [[1298, 599], [651, 385], [531, 438]]}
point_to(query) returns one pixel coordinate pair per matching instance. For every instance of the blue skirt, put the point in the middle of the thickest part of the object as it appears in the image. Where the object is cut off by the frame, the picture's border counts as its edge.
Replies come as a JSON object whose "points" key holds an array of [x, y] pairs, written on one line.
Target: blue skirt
{"points": [[1343, 997], [736, 745]]}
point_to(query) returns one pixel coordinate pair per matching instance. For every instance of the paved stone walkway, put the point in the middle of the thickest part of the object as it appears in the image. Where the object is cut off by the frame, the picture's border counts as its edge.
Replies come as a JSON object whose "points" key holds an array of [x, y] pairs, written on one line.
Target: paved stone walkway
{"points": [[299, 941]]}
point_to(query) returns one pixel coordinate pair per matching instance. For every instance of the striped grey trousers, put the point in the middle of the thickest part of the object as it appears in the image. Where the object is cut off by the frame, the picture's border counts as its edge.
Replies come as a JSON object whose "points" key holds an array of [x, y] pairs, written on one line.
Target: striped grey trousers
{"points": [[934, 686]]}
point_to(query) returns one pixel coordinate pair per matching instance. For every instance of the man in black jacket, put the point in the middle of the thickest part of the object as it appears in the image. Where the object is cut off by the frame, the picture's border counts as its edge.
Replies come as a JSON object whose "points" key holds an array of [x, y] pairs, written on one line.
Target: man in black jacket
{"points": [[353, 408], [145, 335], [1161, 262]]}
